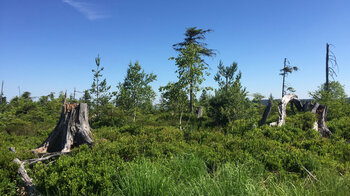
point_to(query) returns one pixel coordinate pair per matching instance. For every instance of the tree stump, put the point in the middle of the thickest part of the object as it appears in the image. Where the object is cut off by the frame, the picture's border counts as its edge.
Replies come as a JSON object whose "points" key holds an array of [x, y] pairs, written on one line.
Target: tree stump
{"points": [[316, 108], [282, 108], [72, 130], [266, 112], [199, 111]]}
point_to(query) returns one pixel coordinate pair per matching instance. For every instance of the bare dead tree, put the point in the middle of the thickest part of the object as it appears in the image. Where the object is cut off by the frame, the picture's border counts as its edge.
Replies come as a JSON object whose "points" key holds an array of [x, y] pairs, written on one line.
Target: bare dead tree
{"points": [[2, 91], [330, 70]]}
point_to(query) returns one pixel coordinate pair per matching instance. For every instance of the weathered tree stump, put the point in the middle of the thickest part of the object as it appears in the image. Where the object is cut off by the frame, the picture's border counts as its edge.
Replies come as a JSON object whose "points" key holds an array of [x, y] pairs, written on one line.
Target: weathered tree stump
{"points": [[199, 111], [320, 125], [72, 130], [316, 108], [266, 112], [282, 108]]}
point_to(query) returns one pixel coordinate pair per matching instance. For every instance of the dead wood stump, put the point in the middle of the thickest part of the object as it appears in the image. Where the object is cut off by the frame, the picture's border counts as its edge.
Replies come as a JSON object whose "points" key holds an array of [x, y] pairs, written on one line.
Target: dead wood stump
{"points": [[72, 130], [316, 108]]}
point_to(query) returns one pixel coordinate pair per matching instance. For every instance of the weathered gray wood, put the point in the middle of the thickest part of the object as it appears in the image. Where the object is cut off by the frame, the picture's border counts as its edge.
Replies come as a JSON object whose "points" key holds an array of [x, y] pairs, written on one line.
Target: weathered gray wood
{"points": [[27, 181], [320, 125], [315, 108], [29, 186], [72, 130], [266, 113], [199, 112], [282, 108]]}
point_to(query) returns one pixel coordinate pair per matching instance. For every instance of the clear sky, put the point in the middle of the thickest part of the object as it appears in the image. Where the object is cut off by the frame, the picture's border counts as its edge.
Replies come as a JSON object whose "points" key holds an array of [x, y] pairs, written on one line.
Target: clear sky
{"points": [[50, 45]]}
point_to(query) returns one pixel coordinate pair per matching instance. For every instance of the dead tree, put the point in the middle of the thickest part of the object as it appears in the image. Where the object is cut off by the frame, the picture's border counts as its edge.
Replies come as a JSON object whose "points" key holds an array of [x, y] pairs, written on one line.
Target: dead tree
{"points": [[72, 130], [266, 112], [330, 70], [316, 108], [320, 125], [2, 91], [27, 182], [282, 108]]}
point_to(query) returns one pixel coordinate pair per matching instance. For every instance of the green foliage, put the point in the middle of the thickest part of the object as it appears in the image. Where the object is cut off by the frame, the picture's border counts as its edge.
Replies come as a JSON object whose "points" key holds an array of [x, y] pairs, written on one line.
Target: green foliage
{"points": [[99, 89], [334, 98], [191, 70], [230, 101], [285, 71], [135, 93], [227, 72], [194, 36], [87, 171]]}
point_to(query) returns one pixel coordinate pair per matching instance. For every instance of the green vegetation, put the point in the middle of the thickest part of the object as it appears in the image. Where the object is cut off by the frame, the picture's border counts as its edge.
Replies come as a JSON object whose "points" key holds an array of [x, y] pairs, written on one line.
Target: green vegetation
{"points": [[140, 149]]}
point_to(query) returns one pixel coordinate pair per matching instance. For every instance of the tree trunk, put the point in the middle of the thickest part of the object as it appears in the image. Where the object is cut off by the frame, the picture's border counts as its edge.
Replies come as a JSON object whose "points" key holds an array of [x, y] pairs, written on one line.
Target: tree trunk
{"points": [[320, 125], [284, 76], [27, 181], [282, 108], [266, 112], [134, 119], [327, 67], [180, 119], [72, 130], [199, 111], [191, 98], [316, 108]]}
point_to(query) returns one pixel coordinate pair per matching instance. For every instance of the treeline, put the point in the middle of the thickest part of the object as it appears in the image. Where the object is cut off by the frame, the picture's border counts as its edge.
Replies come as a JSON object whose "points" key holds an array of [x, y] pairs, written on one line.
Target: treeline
{"points": [[185, 145]]}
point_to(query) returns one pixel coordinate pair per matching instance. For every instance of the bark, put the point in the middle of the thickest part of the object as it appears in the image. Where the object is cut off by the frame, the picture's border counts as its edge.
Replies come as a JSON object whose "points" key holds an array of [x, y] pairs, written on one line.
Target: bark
{"points": [[266, 113], [29, 186], [284, 75], [191, 98], [320, 125], [327, 67], [316, 108], [72, 130], [282, 108], [27, 181], [134, 118], [306, 106], [199, 112], [297, 103], [180, 119], [292, 108]]}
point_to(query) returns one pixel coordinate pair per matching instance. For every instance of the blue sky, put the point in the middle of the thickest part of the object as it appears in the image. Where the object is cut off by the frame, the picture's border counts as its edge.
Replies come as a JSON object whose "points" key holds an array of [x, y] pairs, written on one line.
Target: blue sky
{"points": [[49, 46]]}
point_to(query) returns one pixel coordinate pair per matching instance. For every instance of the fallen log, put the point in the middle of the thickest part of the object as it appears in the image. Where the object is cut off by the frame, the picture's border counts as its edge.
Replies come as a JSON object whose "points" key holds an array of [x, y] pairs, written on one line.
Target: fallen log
{"points": [[72, 130]]}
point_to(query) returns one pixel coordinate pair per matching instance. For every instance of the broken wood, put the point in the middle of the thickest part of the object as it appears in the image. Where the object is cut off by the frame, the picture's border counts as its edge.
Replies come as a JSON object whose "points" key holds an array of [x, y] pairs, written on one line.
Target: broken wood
{"points": [[282, 108], [199, 111], [266, 112], [27, 181], [28, 184], [320, 125], [315, 108], [72, 130]]}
